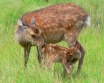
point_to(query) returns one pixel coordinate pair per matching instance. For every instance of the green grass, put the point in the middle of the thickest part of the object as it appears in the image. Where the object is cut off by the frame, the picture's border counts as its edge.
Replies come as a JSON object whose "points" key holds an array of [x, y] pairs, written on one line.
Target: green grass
{"points": [[11, 54]]}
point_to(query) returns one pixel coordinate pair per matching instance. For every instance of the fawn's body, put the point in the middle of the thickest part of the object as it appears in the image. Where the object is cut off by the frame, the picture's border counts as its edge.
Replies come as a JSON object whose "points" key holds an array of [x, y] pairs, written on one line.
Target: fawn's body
{"points": [[67, 57]]}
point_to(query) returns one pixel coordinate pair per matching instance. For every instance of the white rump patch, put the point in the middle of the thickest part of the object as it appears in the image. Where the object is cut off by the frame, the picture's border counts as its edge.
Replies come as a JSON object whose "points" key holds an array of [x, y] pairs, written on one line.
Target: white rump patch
{"points": [[87, 22]]}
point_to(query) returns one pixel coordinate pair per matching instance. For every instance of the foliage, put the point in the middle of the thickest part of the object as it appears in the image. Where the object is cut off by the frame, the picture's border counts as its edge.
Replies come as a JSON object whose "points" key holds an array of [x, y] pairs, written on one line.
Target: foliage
{"points": [[11, 54]]}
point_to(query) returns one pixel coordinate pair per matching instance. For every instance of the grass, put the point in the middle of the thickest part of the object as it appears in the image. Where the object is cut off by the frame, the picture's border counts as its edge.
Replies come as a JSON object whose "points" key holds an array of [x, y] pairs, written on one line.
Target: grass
{"points": [[11, 54]]}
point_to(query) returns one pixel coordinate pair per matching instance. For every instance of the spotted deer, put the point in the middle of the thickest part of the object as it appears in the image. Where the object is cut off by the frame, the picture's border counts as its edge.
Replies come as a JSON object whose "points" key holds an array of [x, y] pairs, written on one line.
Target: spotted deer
{"points": [[54, 24], [66, 56]]}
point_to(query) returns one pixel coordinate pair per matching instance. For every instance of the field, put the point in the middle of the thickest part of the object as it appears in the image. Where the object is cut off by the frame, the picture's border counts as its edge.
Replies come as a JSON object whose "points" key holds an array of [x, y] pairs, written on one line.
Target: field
{"points": [[11, 53]]}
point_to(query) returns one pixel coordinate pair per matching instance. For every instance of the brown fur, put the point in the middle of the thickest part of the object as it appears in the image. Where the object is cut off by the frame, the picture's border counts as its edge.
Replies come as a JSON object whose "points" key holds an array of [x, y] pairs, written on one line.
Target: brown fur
{"points": [[56, 23], [67, 57]]}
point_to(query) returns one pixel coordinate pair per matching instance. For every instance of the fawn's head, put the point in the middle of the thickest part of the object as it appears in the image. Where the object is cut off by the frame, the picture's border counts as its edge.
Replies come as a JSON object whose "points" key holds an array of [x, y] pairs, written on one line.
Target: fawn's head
{"points": [[74, 50], [30, 33]]}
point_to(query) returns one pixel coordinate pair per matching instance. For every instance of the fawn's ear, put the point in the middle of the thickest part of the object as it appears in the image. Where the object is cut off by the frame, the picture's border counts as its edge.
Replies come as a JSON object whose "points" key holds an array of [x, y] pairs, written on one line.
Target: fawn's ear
{"points": [[72, 50], [33, 21], [19, 22]]}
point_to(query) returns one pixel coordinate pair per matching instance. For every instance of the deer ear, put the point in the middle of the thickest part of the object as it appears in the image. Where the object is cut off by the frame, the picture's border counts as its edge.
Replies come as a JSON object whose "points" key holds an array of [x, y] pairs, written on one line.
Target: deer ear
{"points": [[71, 50], [19, 22], [33, 21]]}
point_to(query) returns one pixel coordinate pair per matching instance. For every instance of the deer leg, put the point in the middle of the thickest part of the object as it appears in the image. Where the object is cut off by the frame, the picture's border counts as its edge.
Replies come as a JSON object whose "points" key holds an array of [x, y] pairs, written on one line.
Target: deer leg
{"points": [[71, 67], [82, 50], [39, 54], [49, 61], [72, 41], [68, 68], [26, 55], [44, 62], [64, 71], [49, 64]]}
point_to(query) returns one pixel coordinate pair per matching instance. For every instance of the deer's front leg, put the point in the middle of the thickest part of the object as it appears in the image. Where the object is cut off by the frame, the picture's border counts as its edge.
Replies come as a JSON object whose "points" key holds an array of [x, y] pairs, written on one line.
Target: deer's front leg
{"points": [[26, 55], [39, 54]]}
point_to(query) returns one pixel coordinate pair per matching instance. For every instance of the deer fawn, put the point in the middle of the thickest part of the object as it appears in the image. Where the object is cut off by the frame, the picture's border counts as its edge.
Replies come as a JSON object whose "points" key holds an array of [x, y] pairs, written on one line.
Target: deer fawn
{"points": [[54, 24], [67, 57]]}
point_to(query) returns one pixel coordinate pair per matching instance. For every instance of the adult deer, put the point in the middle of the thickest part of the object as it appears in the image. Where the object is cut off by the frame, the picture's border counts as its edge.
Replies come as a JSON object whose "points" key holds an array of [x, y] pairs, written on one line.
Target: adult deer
{"points": [[54, 24]]}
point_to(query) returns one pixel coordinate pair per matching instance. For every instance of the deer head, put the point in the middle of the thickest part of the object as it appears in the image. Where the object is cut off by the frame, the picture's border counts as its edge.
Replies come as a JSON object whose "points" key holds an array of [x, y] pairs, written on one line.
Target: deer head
{"points": [[30, 33]]}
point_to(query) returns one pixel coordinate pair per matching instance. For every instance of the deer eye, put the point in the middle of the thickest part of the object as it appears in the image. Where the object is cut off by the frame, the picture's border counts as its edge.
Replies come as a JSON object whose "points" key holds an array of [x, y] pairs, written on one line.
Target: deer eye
{"points": [[33, 36]]}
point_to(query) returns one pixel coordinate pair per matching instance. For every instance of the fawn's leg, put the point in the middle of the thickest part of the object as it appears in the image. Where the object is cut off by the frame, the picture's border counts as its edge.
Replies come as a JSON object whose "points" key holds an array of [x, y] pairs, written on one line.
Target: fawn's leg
{"points": [[47, 61], [64, 71], [68, 68], [50, 61]]}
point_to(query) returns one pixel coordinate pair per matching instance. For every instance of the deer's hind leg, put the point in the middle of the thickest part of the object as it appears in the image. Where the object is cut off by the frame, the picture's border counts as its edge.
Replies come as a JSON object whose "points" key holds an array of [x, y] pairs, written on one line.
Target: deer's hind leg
{"points": [[82, 50], [71, 38]]}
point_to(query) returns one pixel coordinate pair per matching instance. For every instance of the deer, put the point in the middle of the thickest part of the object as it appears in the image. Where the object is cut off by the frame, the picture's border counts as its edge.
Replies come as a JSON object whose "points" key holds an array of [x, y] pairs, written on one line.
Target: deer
{"points": [[55, 23], [53, 53], [27, 37]]}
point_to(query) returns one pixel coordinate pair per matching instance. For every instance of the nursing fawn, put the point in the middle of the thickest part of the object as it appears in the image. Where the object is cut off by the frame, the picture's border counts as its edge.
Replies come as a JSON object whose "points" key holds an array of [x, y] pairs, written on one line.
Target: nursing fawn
{"points": [[66, 56]]}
